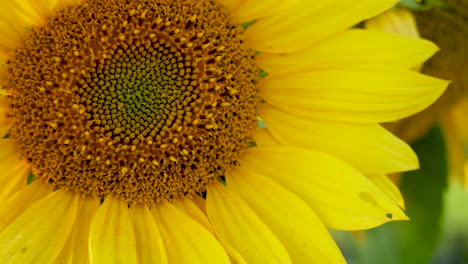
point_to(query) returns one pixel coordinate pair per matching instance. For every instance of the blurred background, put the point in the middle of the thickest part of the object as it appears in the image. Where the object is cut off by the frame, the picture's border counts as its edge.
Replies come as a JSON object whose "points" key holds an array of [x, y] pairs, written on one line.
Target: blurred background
{"points": [[436, 196]]}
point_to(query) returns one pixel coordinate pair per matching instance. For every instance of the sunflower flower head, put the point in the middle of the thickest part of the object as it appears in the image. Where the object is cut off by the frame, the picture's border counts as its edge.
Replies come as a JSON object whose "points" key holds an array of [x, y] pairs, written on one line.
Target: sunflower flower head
{"points": [[132, 105], [162, 131]]}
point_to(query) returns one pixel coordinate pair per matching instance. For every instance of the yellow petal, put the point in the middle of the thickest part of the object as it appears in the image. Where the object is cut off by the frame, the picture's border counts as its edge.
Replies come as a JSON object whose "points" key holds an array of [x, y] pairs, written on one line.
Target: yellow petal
{"points": [[361, 96], [308, 22], [369, 148], [21, 14], [397, 20], [300, 230], [36, 11], [363, 49], [26, 6], [388, 187], [342, 197], [10, 26], [187, 241], [237, 227], [264, 138], [38, 235], [199, 202], [149, 243], [234, 256], [17, 15], [187, 206], [111, 237], [231, 5], [54, 5], [3, 80], [16, 178], [5, 123], [21, 201], [251, 10], [75, 249], [14, 170], [4, 55]]}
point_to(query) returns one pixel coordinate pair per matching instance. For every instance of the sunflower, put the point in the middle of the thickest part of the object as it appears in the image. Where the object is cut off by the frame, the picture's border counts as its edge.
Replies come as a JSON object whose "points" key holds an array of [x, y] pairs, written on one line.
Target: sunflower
{"points": [[451, 110], [155, 131]]}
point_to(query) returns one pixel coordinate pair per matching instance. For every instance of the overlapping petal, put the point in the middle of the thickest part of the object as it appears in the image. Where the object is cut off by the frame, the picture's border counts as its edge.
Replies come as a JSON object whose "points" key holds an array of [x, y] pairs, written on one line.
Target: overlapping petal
{"points": [[187, 241], [308, 22], [342, 197], [38, 235], [250, 10], [263, 137], [14, 170], [111, 236], [291, 220], [187, 206], [5, 122], [231, 5], [149, 243], [398, 20], [388, 187], [368, 147], [238, 227], [359, 96], [76, 248], [14, 206], [363, 49]]}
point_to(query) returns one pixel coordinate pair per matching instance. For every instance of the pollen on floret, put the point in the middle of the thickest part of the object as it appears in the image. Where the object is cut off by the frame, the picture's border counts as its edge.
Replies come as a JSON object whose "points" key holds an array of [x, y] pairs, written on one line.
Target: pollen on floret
{"points": [[149, 100]]}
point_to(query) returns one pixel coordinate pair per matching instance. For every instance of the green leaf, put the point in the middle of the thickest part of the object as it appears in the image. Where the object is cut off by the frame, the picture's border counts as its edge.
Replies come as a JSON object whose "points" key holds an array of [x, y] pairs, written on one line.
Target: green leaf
{"points": [[424, 191], [380, 246], [415, 241]]}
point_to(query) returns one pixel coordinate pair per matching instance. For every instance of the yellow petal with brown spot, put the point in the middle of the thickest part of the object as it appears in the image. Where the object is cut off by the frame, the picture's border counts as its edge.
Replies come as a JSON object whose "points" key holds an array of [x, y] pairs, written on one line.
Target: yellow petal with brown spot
{"points": [[389, 188], [342, 197]]}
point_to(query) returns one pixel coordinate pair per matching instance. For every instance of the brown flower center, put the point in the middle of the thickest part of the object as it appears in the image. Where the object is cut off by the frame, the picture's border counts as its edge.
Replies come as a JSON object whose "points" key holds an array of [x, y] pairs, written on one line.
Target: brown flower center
{"points": [[149, 100]]}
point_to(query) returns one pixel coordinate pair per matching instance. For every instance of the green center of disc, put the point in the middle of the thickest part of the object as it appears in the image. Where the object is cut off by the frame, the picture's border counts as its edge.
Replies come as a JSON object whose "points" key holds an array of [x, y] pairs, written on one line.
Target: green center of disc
{"points": [[138, 92]]}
